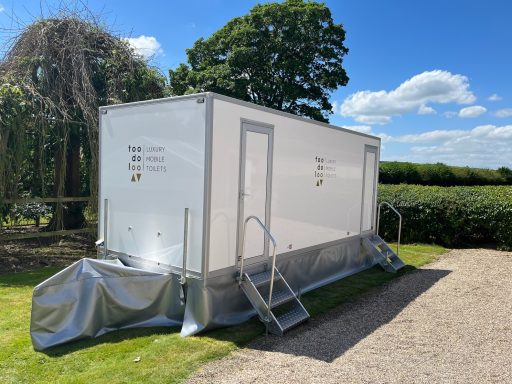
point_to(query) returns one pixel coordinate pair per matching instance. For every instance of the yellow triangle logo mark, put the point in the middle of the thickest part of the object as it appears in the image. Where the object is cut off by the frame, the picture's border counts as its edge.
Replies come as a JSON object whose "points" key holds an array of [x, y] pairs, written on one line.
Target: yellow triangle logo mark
{"points": [[133, 178]]}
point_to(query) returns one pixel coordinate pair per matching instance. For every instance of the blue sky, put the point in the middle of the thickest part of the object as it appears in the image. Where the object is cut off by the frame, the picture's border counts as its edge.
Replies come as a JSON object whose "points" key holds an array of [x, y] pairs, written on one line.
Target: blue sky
{"points": [[433, 79]]}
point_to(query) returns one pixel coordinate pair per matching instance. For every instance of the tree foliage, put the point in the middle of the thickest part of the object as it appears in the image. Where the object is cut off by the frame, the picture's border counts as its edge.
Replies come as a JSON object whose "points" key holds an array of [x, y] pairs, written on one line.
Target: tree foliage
{"points": [[55, 75], [286, 56]]}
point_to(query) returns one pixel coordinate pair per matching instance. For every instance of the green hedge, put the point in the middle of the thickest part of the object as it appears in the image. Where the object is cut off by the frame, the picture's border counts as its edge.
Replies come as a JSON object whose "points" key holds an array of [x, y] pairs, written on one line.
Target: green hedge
{"points": [[450, 216], [394, 172]]}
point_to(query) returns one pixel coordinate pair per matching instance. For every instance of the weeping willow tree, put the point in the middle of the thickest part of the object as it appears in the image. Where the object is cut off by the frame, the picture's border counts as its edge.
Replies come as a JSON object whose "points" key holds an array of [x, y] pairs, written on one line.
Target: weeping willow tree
{"points": [[55, 75]]}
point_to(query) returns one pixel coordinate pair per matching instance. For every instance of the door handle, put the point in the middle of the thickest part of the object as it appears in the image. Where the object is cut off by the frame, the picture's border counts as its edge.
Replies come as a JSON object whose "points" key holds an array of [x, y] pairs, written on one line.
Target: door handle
{"points": [[243, 194]]}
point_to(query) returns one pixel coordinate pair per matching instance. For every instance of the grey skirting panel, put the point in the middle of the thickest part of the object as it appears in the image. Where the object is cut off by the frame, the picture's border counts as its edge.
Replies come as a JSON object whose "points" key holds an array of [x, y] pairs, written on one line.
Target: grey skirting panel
{"points": [[92, 297]]}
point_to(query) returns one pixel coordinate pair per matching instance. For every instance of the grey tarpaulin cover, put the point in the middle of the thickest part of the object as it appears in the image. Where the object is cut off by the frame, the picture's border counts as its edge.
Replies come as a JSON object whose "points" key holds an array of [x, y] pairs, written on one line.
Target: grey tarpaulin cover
{"points": [[92, 297]]}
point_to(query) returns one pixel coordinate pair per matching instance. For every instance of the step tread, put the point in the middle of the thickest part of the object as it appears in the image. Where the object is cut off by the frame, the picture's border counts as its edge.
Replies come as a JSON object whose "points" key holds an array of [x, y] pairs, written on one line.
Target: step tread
{"points": [[397, 263], [376, 241], [292, 318], [279, 296], [261, 278]]}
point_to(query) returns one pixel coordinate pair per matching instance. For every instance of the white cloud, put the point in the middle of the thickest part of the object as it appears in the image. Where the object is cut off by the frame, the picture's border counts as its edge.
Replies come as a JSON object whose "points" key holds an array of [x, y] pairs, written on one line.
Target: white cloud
{"points": [[373, 119], [495, 97], [450, 114], [145, 46], [335, 106], [428, 137], [482, 146], [360, 128], [412, 95], [473, 111], [506, 112], [424, 110], [2, 8]]}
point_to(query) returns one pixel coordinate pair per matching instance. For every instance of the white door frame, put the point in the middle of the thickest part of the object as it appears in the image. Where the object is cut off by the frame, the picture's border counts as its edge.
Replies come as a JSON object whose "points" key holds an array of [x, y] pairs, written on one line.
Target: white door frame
{"points": [[375, 150], [267, 129]]}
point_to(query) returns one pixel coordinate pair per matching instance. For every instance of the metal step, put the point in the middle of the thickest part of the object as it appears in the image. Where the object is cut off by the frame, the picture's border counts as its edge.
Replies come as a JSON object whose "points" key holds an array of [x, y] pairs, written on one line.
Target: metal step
{"points": [[376, 240], [382, 254], [397, 263], [256, 287], [261, 278], [292, 318], [279, 296]]}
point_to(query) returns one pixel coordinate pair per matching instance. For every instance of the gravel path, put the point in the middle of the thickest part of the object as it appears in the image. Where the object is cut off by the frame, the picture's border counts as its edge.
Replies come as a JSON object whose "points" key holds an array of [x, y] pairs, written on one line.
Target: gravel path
{"points": [[450, 322]]}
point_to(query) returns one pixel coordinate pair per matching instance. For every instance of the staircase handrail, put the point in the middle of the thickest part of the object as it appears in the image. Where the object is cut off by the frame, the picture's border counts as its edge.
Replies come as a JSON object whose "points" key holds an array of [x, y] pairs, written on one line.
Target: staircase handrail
{"points": [[399, 222], [242, 257]]}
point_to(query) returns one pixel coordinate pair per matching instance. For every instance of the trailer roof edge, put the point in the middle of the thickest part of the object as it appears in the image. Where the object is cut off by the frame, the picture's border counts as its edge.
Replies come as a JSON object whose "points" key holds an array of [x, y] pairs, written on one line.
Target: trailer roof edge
{"points": [[239, 102]]}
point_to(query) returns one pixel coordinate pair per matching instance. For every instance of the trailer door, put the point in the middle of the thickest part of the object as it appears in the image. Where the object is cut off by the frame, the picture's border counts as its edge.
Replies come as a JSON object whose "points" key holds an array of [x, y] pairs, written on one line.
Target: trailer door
{"points": [[255, 189], [369, 189]]}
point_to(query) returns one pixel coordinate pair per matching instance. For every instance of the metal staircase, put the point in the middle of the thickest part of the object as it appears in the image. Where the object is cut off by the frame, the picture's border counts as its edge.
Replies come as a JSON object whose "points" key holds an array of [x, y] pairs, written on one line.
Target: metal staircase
{"points": [[381, 252], [269, 293]]}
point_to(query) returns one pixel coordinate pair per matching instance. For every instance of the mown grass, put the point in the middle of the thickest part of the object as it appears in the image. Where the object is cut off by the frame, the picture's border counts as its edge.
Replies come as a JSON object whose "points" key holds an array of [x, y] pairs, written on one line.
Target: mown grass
{"points": [[164, 355]]}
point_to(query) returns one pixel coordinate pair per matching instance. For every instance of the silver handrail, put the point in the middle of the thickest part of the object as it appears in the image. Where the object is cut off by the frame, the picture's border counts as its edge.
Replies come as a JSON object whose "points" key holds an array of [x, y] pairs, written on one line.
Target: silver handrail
{"points": [[183, 278], [399, 223], [265, 229]]}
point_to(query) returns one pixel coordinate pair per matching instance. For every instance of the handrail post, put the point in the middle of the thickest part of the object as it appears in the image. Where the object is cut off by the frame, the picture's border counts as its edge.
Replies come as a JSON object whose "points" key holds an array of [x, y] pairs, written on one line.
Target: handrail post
{"points": [[399, 223], [242, 257], [185, 249], [105, 228]]}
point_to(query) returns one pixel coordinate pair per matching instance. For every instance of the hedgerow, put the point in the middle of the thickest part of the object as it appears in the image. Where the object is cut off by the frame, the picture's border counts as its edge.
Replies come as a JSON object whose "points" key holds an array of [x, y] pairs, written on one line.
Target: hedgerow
{"points": [[394, 172], [450, 216]]}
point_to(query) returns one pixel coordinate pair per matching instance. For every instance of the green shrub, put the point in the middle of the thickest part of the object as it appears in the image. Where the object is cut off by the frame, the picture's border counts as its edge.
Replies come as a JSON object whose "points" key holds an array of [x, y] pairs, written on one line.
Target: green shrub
{"points": [[451, 216], [395, 172]]}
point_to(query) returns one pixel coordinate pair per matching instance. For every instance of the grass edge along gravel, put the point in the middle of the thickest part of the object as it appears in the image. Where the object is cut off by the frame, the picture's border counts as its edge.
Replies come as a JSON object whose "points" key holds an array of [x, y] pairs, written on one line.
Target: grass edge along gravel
{"points": [[164, 355]]}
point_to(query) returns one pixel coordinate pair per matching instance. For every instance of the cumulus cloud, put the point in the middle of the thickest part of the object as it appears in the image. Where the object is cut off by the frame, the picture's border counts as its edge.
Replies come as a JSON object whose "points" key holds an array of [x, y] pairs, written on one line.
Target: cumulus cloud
{"points": [[360, 128], [482, 146], [506, 112], [473, 111], [495, 97], [428, 137], [145, 46], [424, 110], [378, 107]]}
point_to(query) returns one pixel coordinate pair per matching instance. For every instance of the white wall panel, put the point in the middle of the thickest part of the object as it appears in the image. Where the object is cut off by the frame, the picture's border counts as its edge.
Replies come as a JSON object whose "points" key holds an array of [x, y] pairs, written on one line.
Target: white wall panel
{"points": [[169, 137], [316, 184]]}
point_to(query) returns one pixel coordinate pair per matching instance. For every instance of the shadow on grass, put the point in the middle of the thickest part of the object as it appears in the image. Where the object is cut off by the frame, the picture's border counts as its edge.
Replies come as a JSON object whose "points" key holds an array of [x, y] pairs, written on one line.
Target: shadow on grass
{"points": [[109, 338], [331, 336]]}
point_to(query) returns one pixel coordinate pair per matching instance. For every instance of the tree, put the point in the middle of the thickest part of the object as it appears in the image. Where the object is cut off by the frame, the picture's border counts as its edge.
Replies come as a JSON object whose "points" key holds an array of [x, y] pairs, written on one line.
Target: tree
{"points": [[63, 68], [286, 56]]}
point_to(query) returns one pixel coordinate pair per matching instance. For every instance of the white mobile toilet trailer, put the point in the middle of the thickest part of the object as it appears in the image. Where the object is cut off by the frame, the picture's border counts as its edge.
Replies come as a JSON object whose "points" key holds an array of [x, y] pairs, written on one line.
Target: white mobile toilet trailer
{"points": [[199, 196]]}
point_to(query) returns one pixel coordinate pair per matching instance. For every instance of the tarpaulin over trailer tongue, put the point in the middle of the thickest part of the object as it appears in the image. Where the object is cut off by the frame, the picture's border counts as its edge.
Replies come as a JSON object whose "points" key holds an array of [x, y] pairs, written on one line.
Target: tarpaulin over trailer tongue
{"points": [[92, 297]]}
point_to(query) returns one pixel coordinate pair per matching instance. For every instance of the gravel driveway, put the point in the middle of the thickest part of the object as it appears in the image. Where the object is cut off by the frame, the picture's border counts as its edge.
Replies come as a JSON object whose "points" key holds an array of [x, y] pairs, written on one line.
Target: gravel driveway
{"points": [[449, 322]]}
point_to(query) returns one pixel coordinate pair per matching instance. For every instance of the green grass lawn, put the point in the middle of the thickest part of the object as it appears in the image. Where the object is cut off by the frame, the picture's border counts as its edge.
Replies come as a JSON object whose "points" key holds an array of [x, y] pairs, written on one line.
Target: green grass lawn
{"points": [[164, 355]]}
